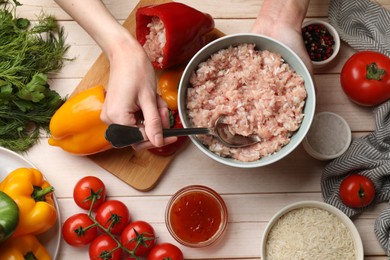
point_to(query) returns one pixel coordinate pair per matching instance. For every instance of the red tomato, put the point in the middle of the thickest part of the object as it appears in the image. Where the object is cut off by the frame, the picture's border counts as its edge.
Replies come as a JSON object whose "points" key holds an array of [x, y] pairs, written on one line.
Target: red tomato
{"points": [[365, 78], [113, 215], [165, 251], [102, 248], [138, 232], [79, 230], [88, 188], [357, 191], [170, 149]]}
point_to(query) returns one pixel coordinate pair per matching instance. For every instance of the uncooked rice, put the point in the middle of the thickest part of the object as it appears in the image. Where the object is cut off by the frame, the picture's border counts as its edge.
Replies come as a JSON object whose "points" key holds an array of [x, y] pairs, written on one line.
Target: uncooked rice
{"points": [[310, 234], [256, 91]]}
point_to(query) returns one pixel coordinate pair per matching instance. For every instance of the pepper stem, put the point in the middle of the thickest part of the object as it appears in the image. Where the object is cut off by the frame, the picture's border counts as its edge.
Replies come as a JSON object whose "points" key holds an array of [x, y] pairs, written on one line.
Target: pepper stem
{"points": [[30, 256], [39, 193], [374, 72]]}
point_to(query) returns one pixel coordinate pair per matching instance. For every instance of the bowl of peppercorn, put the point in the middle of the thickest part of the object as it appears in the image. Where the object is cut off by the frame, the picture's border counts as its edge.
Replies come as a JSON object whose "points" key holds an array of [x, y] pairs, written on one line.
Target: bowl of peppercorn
{"points": [[322, 42]]}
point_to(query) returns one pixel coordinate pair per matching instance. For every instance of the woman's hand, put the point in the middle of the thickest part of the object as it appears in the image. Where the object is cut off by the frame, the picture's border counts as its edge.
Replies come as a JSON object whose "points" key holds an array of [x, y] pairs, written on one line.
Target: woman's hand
{"points": [[132, 89], [282, 20]]}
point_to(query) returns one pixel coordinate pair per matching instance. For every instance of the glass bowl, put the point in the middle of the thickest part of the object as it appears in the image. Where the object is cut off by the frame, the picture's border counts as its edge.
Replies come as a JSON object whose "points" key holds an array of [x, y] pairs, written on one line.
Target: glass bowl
{"points": [[196, 216]]}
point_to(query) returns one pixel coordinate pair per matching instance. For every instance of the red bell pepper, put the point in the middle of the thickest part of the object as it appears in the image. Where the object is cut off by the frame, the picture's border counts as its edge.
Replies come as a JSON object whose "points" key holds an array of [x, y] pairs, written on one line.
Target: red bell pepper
{"points": [[185, 31]]}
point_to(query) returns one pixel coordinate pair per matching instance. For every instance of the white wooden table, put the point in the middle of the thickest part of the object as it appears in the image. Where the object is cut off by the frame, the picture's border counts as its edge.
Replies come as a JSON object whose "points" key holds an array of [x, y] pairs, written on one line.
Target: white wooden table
{"points": [[252, 196]]}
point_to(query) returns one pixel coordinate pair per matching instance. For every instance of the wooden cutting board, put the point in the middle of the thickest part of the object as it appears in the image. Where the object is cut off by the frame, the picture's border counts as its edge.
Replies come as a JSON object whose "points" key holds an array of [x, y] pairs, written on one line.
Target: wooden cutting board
{"points": [[141, 170]]}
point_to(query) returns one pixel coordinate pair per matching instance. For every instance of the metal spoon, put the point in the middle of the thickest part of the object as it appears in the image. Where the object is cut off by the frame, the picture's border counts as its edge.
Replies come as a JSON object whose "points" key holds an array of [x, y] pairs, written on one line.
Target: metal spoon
{"points": [[121, 136]]}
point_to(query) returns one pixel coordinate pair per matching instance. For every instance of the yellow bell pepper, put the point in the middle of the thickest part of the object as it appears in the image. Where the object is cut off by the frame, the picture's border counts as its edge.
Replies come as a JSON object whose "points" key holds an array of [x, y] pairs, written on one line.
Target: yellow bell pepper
{"points": [[33, 195], [21, 248], [76, 126]]}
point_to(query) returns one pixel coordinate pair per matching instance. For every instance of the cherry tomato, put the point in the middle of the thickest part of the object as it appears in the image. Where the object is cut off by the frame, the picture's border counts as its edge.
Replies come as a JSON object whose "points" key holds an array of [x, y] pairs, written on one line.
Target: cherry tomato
{"points": [[365, 78], [165, 251], [138, 232], [102, 248], [170, 149], [113, 215], [79, 230], [167, 86], [88, 188], [357, 191]]}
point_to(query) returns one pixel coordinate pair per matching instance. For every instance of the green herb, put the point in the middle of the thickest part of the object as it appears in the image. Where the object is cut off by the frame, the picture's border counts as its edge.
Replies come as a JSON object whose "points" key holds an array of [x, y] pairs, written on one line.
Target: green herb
{"points": [[28, 53]]}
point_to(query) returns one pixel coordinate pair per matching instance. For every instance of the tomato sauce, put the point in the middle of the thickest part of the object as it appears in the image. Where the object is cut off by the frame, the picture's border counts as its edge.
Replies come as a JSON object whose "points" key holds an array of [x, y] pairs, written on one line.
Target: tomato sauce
{"points": [[195, 217]]}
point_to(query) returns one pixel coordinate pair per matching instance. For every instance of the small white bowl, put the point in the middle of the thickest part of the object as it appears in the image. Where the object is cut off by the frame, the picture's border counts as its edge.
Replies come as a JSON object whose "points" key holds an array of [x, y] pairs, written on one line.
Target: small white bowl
{"points": [[329, 136], [344, 219], [336, 46]]}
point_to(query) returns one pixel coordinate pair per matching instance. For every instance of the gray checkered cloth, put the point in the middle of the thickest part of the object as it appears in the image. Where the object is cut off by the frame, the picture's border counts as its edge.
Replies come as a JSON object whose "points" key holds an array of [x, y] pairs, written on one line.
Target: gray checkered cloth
{"points": [[364, 25]]}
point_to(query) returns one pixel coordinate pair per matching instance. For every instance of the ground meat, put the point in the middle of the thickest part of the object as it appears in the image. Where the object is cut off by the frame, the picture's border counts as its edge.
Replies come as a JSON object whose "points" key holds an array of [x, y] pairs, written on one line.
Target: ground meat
{"points": [[256, 91], [155, 40]]}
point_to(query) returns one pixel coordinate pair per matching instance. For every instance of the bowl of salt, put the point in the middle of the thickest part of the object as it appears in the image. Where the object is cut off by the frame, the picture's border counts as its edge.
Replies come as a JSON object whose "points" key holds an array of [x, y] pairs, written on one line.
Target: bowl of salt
{"points": [[328, 137]]}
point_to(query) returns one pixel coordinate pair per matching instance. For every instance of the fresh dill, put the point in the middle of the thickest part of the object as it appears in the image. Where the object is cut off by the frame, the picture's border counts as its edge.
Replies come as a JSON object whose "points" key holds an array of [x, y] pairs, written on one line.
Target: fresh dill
{"points": [[28, 53]]}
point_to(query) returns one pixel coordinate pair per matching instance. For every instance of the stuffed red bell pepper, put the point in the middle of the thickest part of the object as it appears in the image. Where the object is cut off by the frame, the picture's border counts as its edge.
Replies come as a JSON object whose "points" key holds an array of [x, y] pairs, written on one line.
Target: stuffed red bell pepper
{"points": [[171, 33]]}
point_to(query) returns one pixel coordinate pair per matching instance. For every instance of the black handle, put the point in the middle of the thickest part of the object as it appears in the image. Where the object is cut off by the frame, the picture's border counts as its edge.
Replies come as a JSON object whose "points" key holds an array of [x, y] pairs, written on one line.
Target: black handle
{"points": [[121, 135]]}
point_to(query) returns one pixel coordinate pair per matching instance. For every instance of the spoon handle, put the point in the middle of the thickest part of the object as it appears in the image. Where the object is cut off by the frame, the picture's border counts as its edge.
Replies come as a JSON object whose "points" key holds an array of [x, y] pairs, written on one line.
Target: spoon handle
{"points": [[167, 132], [121, 135]]}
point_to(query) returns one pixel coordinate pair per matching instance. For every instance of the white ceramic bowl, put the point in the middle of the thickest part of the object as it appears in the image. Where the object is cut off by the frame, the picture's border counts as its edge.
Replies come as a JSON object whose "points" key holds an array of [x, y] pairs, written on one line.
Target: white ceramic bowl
{"points": [[329, 136], [264, 43], [347, 222], [336, 47]]}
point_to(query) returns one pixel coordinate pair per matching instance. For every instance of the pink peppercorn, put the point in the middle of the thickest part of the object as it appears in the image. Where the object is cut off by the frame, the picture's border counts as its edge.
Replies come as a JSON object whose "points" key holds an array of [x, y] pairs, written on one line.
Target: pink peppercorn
{"points": [[318, 41]]}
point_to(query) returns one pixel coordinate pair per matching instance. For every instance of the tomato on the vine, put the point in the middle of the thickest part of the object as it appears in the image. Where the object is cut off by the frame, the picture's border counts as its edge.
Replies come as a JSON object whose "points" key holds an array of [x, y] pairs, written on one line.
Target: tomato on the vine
{"points": [[104, 247], [165, 251], [139, 236], [365, 78], [113, 215], [357, 191], [86, 190], [170, 149], [79, 230]]}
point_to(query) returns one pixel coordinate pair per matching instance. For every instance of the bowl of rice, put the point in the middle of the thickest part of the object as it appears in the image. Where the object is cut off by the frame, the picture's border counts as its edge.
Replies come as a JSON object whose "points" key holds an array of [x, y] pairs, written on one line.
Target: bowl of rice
{"points": [[260, 87], [311, 230]]}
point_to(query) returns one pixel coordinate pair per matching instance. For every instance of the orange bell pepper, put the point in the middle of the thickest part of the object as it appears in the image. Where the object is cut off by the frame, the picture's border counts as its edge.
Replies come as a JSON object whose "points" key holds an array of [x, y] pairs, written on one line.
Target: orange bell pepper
{"points": [[167, 88], [76, 126]]}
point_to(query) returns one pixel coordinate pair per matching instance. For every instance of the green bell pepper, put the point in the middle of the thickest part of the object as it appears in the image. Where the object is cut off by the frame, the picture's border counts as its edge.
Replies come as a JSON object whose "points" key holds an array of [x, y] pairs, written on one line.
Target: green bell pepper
{"points": [[9, 216]]}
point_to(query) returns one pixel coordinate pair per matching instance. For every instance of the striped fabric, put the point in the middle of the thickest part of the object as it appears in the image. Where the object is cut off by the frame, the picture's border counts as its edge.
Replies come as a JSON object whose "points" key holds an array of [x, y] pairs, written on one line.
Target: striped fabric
{"points": [[363, 24], [368, 156]]}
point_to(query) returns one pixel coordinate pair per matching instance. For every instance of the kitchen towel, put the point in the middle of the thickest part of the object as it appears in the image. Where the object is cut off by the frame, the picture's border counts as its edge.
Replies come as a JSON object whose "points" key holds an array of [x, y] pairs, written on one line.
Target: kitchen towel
{"points": [[363, 24], [368, 156]]}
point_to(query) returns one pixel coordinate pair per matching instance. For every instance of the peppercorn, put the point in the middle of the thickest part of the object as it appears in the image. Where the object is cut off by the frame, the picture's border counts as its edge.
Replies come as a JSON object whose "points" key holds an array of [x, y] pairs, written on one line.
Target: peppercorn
{"points": [[318, 42]]}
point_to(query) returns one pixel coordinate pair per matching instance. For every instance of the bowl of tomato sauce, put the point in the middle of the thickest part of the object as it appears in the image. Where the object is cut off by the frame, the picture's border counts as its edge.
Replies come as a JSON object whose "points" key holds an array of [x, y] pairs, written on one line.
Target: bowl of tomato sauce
{"points": [[196, 216]]}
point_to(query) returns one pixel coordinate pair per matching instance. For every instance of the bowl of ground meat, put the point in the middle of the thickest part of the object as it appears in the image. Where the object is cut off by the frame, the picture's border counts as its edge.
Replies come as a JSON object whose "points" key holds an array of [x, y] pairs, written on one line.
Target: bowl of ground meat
{"points": [[260, 87]]}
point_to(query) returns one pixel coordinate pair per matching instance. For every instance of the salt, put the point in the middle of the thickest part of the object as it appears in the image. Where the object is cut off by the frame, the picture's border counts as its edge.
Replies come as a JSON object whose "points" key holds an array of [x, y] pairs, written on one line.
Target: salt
{"points": [[329, 134]]}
